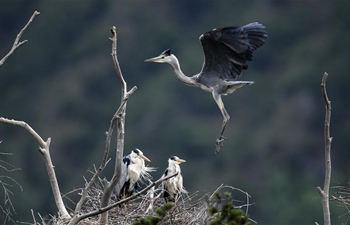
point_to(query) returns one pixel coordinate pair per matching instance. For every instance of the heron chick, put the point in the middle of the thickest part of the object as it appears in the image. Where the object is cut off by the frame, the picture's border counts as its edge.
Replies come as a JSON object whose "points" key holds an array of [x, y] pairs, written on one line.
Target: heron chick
{"points": [[132, 170], [226, 53], [173, 187]]}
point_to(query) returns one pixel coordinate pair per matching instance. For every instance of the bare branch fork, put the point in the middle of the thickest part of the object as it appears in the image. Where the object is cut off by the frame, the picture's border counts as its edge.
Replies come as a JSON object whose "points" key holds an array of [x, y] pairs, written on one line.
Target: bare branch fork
{"points": [[119, 118], [18, 44], [118, 114], [44, 149], [328, 140]]}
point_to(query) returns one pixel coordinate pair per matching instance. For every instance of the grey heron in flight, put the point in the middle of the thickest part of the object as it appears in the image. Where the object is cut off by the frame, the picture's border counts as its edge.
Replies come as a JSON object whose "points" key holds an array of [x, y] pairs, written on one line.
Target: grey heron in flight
{"points": [[173, 187], [226, 51], [132, 170]]}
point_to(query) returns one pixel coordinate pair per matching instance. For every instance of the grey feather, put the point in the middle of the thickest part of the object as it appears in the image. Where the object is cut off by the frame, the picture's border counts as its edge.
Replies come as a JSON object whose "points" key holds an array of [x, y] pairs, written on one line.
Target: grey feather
{"points": [[123, 178]]}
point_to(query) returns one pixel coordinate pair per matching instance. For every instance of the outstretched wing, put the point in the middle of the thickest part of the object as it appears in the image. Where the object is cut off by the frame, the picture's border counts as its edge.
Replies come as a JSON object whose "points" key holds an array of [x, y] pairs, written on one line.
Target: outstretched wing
{"points": [[228, 49]]}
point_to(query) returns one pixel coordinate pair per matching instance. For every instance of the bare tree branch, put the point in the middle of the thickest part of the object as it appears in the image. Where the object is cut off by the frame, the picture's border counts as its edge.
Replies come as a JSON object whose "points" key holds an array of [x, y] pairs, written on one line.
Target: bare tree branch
{"points": [[8, 207], [34, 220], [118, 117], [77, 218], [7, 164], [18, 44], [44, 149], [328, 140]]}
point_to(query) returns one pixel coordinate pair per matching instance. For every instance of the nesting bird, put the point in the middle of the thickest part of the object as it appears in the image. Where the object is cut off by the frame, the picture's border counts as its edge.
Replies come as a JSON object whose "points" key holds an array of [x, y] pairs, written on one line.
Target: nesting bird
{"points": [[173, 187], [132, 170], [226, 53]]}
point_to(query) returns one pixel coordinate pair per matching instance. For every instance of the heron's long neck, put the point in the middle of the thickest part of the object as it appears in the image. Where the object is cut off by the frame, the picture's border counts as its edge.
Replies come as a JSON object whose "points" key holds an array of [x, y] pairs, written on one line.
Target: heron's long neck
{"points": [[174, 168], [180, 75]]}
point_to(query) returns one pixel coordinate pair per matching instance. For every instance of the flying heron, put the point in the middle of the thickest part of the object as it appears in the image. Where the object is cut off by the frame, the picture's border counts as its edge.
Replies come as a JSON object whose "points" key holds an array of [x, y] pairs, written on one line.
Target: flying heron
{"points": [[133, 168], [226, 51], [173, 187]]}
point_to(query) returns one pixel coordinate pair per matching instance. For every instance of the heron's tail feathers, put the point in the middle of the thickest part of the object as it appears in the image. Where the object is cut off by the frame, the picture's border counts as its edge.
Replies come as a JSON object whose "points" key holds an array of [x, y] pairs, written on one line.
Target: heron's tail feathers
{"points": [[233, 85], [183, 190]]}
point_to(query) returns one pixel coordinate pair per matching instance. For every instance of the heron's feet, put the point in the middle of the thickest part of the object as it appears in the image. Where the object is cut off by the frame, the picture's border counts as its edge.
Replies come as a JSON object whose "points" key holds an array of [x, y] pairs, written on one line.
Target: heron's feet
{"points": [[219, 143]]}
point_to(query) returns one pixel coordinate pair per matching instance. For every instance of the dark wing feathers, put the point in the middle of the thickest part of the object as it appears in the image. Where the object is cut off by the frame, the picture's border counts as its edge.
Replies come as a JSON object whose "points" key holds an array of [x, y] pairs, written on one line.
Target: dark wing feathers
{"points": [[123, 184], [126, 160], [165, 192], [227, 50], [166, 172]]}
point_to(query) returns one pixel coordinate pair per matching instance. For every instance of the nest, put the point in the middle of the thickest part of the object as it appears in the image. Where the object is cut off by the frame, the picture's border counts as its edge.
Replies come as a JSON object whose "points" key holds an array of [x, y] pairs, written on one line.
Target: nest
{"points": [[342, 196], [191, 209]]}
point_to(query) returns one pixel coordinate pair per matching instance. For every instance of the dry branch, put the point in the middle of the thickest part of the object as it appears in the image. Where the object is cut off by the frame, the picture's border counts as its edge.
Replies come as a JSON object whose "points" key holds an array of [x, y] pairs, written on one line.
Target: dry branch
{"points": [[44, 149], [18, 44], [328, 140], [119, 118]]}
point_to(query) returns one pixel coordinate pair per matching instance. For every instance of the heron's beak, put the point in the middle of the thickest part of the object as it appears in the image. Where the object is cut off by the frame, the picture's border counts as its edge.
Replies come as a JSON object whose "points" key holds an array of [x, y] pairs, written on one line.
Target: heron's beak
{"points": [[145, 158], [154, 59], [181, 161]]}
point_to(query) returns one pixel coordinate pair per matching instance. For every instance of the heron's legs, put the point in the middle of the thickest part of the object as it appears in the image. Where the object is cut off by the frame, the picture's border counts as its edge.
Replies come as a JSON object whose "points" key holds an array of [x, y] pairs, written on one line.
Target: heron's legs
{"points": [[170, 198], [221, 138], [175, 199]]}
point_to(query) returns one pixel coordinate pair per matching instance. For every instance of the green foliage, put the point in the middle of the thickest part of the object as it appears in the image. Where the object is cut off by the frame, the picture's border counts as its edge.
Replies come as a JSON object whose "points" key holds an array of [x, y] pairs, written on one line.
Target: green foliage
{"points": [[151, 220], [227, 214], [161, 212]]}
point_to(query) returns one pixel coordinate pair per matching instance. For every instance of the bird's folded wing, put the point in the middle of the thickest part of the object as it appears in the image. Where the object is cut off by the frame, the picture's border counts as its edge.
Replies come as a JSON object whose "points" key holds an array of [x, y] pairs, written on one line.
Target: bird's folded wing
{"points": [[123, 178]]}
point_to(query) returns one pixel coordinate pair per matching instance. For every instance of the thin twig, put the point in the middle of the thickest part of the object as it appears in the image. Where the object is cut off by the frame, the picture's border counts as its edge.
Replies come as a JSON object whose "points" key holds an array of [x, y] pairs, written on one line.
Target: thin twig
{"points": [[18, 44], [8, 164], [328, 140], [247, 197], [342, 197], [42, 219], [5, 153], [33, 216]]}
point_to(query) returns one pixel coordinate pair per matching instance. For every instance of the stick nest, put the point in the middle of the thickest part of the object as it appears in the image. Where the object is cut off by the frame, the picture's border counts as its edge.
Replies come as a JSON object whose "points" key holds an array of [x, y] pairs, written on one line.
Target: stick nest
{"points": [[191, 209]]}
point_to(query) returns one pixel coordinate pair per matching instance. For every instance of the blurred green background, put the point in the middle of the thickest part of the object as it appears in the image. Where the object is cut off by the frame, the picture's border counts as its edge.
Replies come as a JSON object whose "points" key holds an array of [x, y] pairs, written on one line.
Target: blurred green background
{"points": [[63, 83]]}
